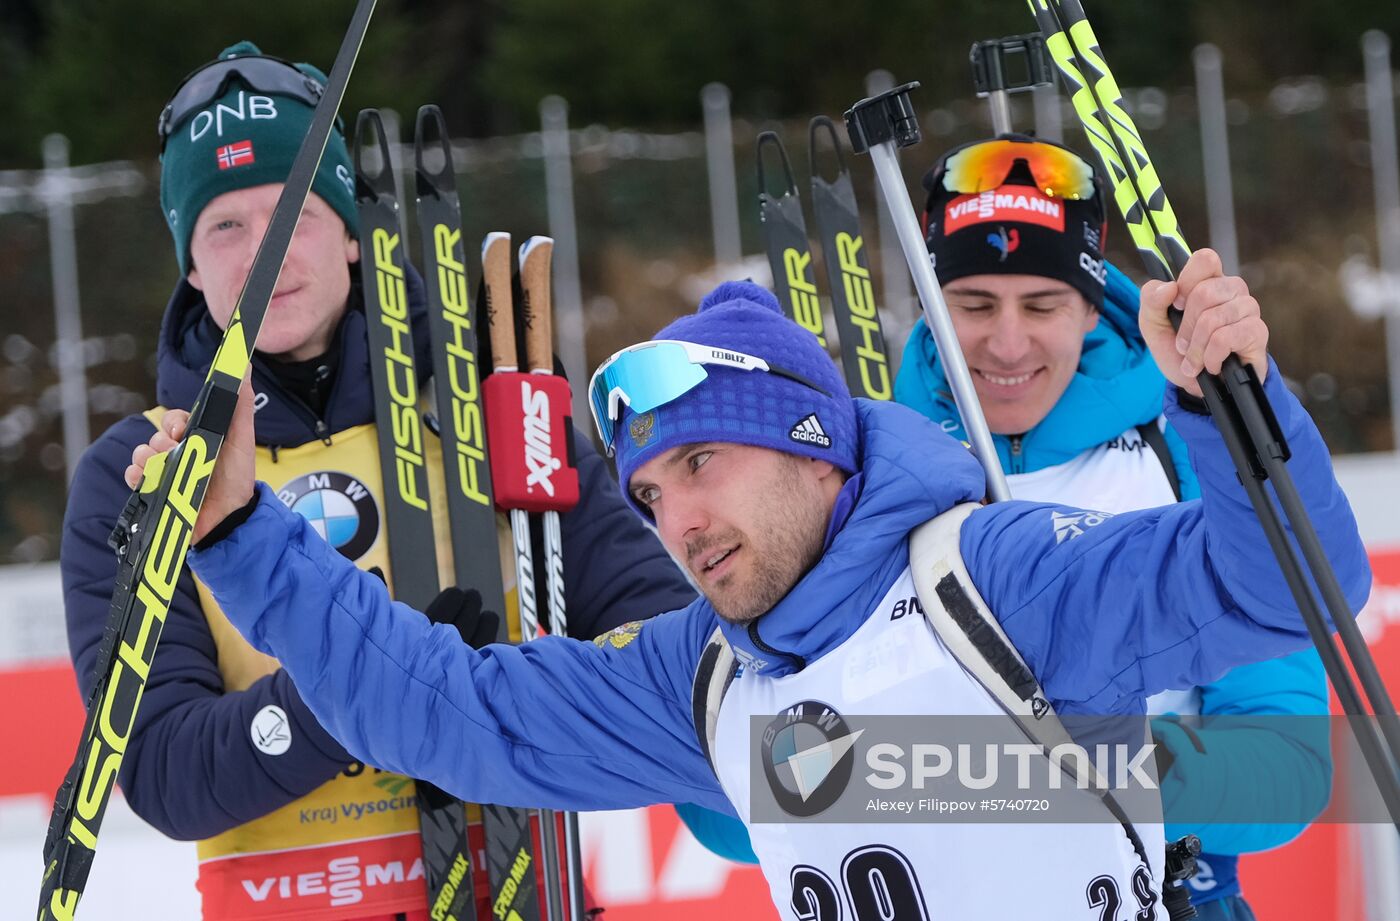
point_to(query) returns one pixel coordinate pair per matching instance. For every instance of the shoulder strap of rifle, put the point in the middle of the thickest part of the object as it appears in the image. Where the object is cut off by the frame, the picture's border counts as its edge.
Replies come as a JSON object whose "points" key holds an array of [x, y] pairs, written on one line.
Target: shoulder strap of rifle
{"points": [[967, 628], [713, 675], [1157, 440]]}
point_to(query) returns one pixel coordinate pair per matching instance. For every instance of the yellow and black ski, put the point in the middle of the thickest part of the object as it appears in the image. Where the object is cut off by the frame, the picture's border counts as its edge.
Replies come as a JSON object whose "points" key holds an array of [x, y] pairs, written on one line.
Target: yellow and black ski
{"points": [[789, 251], [1098, 101], [413, 576], [453, 327], [152, 534], [864, 357]]}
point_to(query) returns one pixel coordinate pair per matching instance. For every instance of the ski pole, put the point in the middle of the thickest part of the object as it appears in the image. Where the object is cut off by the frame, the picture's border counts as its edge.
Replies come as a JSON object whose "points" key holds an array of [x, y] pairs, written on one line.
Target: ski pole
{"points": [[527, 428], [1003, 66], [537, 307], [1235, 397], [500, 321], [876, 125]]}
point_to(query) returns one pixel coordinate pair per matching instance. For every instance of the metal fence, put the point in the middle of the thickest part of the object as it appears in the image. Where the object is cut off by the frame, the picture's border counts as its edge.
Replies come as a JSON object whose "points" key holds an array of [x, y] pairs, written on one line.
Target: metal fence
{"points": [[648, 222]]}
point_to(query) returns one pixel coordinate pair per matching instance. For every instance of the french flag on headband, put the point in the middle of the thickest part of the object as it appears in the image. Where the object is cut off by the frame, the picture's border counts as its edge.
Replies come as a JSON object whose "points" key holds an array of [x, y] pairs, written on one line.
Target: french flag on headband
{"points": [[238, 154]]}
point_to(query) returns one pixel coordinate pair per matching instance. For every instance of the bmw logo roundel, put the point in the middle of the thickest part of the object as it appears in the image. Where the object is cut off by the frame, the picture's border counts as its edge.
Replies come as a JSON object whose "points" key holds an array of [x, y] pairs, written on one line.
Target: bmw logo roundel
{"points": [[807, 757], [339, 507]]}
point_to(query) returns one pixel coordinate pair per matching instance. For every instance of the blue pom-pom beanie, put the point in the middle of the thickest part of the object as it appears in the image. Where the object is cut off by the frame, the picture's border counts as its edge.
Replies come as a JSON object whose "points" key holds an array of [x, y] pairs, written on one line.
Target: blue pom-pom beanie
{"points": [[748, 407]]}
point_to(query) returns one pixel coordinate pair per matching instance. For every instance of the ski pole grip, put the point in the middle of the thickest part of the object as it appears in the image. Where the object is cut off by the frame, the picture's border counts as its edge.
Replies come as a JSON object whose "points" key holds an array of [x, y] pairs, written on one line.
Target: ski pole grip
{"points": [[889, 116], [1011, 64], [536, 308], [500, 309], [528, 431]]}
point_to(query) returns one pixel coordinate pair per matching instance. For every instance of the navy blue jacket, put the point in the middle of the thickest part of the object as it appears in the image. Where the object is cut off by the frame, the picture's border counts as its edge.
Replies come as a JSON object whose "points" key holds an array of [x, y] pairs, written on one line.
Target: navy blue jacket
{"points": [[190, 770]]}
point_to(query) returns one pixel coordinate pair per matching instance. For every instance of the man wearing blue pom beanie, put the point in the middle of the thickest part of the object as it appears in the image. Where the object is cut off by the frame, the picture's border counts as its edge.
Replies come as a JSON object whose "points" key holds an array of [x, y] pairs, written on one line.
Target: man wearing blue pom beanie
{"points": [[1015, 228], [847, 567]]}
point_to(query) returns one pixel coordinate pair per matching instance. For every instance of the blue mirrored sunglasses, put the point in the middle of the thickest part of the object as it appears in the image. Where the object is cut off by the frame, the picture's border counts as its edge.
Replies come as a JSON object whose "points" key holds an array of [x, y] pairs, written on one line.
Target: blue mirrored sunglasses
{"points": [[651, 374]]}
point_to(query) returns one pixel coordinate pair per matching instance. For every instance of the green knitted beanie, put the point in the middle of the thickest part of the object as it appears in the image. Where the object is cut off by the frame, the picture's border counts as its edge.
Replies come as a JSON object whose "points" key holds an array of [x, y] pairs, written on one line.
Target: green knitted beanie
{"points": [[243, 139]]}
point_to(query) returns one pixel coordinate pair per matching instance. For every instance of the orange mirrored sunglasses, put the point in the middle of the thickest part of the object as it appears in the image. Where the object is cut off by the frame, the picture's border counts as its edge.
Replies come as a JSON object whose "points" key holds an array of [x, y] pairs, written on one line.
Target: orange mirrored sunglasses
{"points": [[1058, 172]]}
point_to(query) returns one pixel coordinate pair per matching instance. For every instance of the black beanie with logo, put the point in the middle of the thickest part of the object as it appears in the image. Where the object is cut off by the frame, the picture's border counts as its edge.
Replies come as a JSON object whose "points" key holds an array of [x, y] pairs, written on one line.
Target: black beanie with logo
{"points": [[1015, 229]]}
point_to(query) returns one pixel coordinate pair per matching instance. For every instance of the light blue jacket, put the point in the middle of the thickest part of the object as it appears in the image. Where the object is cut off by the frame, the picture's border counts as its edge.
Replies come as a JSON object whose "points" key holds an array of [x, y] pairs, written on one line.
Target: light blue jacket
{"points": [[1116, 387]]}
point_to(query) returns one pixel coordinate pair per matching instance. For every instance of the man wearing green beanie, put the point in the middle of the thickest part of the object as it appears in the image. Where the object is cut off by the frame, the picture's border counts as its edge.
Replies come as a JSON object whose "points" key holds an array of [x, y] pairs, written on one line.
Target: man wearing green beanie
{"points": [[224, 750], [234, 152]]}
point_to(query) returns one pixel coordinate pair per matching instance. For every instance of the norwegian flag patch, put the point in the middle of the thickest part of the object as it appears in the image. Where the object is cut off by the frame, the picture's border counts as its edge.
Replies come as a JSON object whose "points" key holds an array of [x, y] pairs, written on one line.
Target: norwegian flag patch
{"points": [[231, 155]]}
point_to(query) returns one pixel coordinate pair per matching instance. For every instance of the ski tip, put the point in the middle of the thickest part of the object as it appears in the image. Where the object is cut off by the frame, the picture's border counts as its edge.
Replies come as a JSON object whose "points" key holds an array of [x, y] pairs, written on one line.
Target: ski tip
{"points": [[492, 239], [532, 244]]}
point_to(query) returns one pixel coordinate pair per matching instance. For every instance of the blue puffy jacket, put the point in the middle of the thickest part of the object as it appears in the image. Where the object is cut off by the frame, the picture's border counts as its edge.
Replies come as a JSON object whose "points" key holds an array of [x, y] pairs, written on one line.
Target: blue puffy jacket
{"points": [[566, 724], [1117, 387]]}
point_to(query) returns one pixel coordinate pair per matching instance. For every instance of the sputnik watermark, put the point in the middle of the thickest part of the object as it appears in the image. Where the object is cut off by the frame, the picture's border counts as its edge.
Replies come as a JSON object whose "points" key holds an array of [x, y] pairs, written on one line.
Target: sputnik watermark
{"points": [[812, 763], [815, 763], [894, 766]]}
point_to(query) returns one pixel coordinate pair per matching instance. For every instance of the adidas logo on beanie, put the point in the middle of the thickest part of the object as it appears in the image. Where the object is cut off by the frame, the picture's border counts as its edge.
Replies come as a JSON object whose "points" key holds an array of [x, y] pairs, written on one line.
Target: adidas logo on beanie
{"points": [[809, 431]]}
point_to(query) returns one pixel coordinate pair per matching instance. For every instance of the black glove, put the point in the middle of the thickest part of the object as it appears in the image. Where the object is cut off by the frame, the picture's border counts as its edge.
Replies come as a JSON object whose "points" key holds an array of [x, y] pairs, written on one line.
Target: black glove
{"points": [[461, 609]]}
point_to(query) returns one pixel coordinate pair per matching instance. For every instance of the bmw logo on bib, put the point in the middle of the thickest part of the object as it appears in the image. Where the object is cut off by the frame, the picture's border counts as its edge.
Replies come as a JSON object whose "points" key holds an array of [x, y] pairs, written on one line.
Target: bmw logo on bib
{"points": [[339, 507], [807, 757]]}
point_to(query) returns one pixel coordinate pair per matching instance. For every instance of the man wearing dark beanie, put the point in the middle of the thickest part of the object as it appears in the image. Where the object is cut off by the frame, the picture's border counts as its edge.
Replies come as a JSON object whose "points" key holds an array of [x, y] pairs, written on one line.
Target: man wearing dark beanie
{"points": [[225, 751], [848, 569], [1015, 228]]}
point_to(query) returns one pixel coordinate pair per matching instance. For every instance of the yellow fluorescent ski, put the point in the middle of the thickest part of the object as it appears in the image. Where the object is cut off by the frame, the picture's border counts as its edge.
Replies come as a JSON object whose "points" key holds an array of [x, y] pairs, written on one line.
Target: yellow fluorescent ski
{"points": [[233, 355], [860, 295], [410, 468], [461, 367], [153, 533], [116, 711], [806, 309]]}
